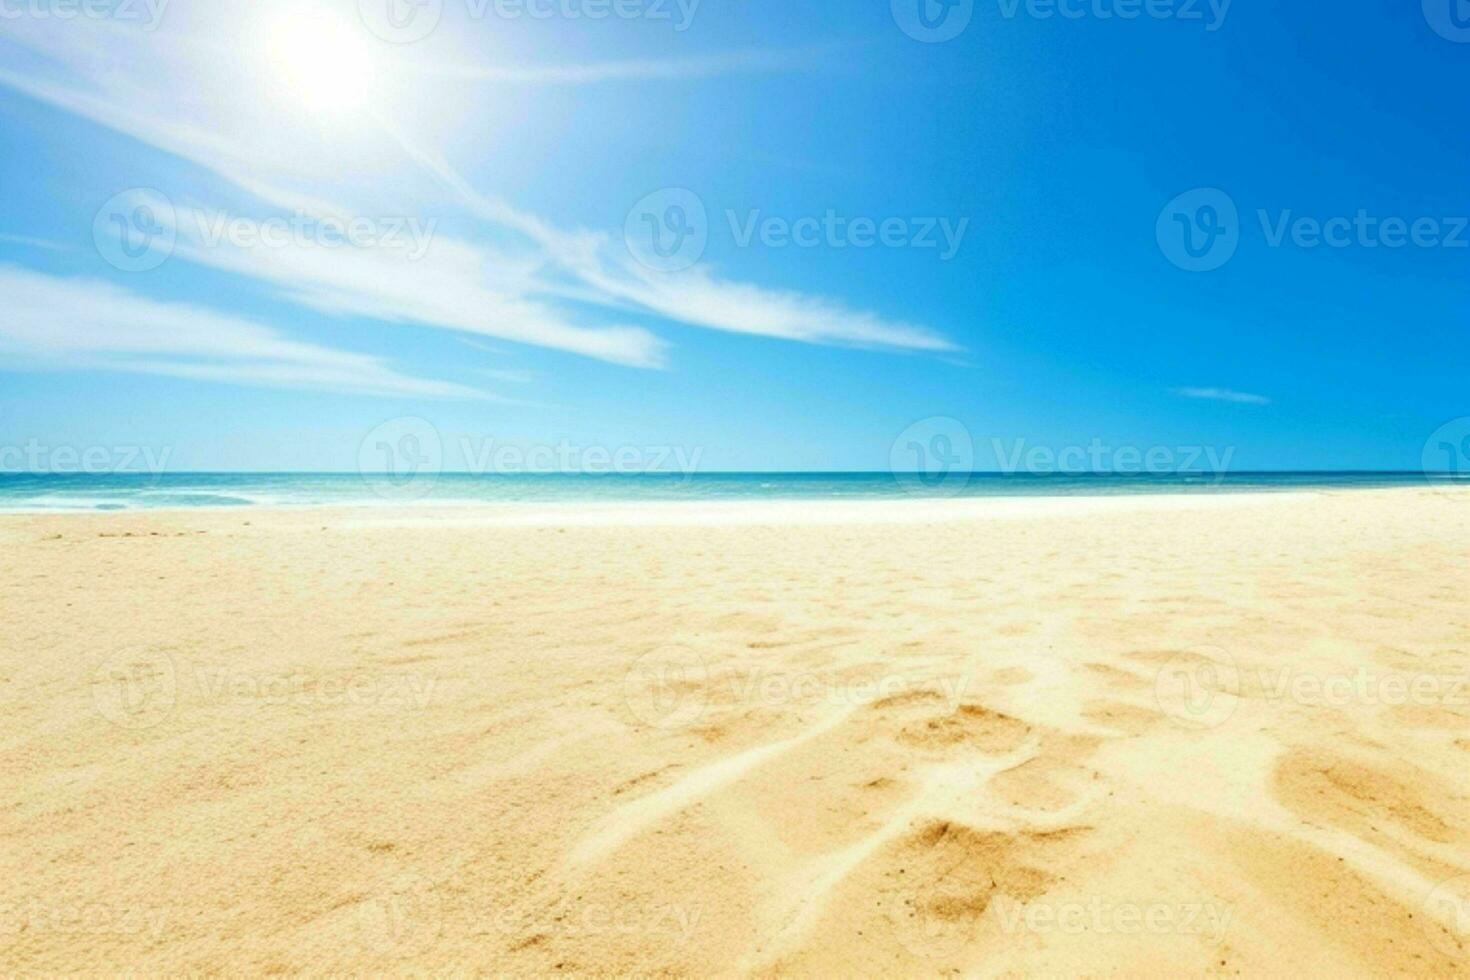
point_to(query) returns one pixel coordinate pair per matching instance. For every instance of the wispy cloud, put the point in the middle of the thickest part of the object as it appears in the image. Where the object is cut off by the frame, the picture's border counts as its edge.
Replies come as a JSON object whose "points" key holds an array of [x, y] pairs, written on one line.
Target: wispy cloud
{"points": [[29, 242], [520, 279], [754, 61], [1223, 395], [55, 322]]}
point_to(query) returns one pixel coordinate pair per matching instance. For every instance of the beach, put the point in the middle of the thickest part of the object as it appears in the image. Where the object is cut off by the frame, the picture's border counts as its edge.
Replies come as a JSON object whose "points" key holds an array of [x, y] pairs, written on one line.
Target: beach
{"points": [[1137, 735]]}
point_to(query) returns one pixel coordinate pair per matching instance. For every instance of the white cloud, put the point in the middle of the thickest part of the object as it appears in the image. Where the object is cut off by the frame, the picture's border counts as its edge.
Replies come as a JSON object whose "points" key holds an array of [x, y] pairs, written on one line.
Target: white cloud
{"points": [[29, 242], [527, 281], [1223, 395], [746, 62], [53, 322]]}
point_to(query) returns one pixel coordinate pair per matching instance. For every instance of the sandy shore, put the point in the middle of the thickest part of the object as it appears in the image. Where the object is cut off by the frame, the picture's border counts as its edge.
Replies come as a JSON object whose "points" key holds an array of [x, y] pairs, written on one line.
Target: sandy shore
{"points": [[1136, 736]]}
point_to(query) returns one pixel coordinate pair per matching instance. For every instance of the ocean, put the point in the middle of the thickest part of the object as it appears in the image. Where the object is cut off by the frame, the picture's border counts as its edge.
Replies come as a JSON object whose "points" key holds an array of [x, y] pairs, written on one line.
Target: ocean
{"points": [[113, 492]]}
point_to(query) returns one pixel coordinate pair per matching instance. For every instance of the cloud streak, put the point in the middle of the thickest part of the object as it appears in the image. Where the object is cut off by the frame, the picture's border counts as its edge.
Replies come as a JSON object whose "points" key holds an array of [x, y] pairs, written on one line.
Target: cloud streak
{"points": [[55, 323], [1223, 395], [521, 280], [754, 61]]}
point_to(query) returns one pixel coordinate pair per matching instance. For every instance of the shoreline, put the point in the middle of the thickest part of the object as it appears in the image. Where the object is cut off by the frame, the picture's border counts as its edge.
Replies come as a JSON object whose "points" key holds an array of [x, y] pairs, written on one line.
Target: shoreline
{"points": [[829, 510]]}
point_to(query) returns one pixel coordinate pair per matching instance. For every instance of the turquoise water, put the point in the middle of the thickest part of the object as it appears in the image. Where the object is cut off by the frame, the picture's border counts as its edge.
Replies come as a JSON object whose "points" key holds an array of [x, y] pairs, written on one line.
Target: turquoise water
{"points": [[139, 492]]}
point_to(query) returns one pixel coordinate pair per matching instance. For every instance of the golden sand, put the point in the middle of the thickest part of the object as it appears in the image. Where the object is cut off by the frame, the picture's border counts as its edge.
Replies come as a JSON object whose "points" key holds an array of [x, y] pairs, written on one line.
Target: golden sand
{"points": [[1136, 736]]}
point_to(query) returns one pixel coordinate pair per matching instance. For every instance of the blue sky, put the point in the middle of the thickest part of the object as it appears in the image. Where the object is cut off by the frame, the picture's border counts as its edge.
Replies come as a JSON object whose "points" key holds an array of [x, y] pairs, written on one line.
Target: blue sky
{"points": [[1027, 174]]}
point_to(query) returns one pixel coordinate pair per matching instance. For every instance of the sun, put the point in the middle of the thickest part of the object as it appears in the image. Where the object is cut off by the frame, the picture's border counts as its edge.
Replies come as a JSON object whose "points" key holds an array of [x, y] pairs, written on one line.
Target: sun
{"points": [[318, 61]]}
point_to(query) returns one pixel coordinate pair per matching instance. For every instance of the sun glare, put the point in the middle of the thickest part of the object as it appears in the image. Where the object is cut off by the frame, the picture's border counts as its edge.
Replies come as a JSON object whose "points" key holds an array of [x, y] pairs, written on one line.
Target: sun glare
{"points": [[320, 62]]}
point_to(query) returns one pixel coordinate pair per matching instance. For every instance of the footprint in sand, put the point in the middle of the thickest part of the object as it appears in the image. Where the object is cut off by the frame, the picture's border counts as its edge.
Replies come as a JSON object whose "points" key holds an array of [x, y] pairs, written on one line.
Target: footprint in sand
{"points": [[940, 880], [1375, 803], [970, 725]]}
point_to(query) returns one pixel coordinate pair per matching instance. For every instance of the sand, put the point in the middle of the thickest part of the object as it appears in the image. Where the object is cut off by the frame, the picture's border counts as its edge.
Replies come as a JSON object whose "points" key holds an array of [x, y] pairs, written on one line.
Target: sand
{"points": [[1131, 736]]}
